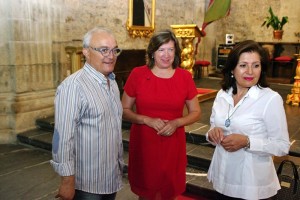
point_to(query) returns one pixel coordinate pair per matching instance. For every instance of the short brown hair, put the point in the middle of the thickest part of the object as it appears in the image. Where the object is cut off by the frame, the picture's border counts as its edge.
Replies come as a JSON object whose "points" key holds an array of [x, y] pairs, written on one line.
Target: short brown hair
{"points": [[158, 39]]}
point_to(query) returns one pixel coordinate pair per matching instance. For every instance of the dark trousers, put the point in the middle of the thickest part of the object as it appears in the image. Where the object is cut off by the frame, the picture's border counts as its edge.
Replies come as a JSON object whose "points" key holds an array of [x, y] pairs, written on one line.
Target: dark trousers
{"points": [[81, 195]]}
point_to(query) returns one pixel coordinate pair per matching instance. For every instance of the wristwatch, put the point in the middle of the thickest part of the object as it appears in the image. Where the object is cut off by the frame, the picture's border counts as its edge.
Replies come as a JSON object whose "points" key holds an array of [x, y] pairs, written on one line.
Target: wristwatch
{"points": [[248, 143]]}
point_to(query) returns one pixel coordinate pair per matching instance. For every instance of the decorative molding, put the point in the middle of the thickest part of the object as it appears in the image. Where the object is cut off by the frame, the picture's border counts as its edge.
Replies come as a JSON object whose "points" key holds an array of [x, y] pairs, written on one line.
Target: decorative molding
{"points": [[139, 31]]}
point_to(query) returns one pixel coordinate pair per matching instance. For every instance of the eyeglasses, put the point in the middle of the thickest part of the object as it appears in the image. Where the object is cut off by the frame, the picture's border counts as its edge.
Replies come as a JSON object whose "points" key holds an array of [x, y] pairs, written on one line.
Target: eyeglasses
{"points": [[106, 51]]}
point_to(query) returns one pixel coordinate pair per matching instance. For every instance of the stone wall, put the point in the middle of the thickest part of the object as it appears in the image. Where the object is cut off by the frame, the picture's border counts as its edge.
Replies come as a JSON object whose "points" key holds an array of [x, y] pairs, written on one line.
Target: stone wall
{"points": [[27, 69], [245, 21], [35, 33]]}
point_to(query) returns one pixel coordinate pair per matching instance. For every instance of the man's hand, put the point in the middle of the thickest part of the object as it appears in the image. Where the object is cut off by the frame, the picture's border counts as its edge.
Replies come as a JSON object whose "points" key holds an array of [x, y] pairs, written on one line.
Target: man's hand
{"points": [[67, 188]]}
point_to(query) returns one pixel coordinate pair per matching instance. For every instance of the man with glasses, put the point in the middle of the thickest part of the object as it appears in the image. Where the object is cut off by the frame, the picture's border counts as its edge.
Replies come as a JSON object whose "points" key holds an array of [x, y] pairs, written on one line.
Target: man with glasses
{"points": [[87, 141]]}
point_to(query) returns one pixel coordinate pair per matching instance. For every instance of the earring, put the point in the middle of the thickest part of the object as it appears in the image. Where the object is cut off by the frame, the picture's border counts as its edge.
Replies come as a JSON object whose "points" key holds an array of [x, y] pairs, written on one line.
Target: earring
{"points": [[232, 76]]}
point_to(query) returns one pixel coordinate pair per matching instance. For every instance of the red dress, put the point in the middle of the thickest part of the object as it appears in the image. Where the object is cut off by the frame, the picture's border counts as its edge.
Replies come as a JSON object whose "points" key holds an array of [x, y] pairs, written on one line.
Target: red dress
{"points": [[157, 164]]}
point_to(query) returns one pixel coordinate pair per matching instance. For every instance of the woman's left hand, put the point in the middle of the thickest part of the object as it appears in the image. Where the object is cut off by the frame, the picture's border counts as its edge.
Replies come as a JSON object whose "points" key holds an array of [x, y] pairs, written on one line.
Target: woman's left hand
{"points": [[169, 128], [234, 142]]}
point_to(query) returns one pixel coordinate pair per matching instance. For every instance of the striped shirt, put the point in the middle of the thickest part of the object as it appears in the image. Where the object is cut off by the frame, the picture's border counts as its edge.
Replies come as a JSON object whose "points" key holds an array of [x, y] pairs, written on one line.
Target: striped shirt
{"points": [[87, 140]]}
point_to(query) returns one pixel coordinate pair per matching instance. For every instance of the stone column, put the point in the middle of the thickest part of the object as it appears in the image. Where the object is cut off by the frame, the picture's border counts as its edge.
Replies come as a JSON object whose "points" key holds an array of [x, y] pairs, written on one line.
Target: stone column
{"points": [[27, 82]]}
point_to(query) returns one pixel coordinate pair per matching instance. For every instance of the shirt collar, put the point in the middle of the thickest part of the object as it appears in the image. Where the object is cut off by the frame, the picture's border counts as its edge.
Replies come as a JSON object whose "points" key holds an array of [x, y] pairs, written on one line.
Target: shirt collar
{"points": [[252, 93], [98, 75]]}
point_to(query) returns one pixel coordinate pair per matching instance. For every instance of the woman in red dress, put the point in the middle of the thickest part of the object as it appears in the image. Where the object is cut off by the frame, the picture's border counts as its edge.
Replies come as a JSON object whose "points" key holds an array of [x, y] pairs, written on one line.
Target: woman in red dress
{"points": [[153, 100]]}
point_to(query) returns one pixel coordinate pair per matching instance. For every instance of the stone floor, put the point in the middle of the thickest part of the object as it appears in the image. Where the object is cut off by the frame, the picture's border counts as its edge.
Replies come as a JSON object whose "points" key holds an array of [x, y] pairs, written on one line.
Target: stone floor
{"points": [[25, 172]]}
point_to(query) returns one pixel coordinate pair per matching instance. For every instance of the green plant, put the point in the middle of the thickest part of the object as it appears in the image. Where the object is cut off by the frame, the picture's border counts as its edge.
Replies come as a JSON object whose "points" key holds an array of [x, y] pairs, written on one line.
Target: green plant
{"points": [[274, 21]]}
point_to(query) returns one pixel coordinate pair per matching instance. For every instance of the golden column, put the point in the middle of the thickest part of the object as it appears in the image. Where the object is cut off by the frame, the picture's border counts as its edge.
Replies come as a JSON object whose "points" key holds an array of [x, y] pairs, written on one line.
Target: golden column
{"points": [[187, 33], [295, 96], [75, 58]]}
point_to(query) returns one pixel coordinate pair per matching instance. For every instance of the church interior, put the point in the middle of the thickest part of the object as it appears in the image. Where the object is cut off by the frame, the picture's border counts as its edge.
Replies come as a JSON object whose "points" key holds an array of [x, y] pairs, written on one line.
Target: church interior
{"points": [[41, 45]]}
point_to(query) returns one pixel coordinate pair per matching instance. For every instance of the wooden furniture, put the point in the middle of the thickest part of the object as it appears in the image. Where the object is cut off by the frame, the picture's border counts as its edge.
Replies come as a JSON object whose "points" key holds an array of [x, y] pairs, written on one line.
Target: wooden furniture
{"points": [[283, 66], [283, 63], [223, 51], [199, 67], [127, 60], [187, 33], [288, 48], [206, 94]]}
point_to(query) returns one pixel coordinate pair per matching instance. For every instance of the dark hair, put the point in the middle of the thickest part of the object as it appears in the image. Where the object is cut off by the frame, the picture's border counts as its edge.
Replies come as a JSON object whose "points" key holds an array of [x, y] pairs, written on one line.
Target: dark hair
{"points": [[232, 61], [158, 39]]}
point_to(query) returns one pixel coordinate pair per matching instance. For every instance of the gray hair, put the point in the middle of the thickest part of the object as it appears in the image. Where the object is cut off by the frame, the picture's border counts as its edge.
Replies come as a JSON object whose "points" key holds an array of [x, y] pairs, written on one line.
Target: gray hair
{"points": [[87, 37]]}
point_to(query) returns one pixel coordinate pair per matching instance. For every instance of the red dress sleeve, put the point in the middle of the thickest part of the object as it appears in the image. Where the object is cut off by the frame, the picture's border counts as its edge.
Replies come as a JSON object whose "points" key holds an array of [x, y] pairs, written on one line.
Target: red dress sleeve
{"points": [[191, 87], [130, 86]]}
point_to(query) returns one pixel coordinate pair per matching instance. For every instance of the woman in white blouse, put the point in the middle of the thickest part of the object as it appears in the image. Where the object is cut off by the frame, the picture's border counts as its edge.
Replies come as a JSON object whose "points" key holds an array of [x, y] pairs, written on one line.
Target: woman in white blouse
{"points": [[248, 127]]}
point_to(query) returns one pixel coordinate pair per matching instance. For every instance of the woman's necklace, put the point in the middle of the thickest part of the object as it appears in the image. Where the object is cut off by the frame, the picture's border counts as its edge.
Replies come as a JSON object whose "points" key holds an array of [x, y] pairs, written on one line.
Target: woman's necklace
{"points": [[227, 121]]}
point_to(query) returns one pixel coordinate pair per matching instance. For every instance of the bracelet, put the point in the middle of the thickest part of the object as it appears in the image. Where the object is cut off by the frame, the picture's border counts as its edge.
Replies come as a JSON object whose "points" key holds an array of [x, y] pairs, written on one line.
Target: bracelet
{"points": [[248, 143]]}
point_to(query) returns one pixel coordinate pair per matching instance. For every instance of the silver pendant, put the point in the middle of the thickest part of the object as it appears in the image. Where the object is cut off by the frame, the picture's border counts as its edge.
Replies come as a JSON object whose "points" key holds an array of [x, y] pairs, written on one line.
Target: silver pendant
{"points": [[227, 122]]}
